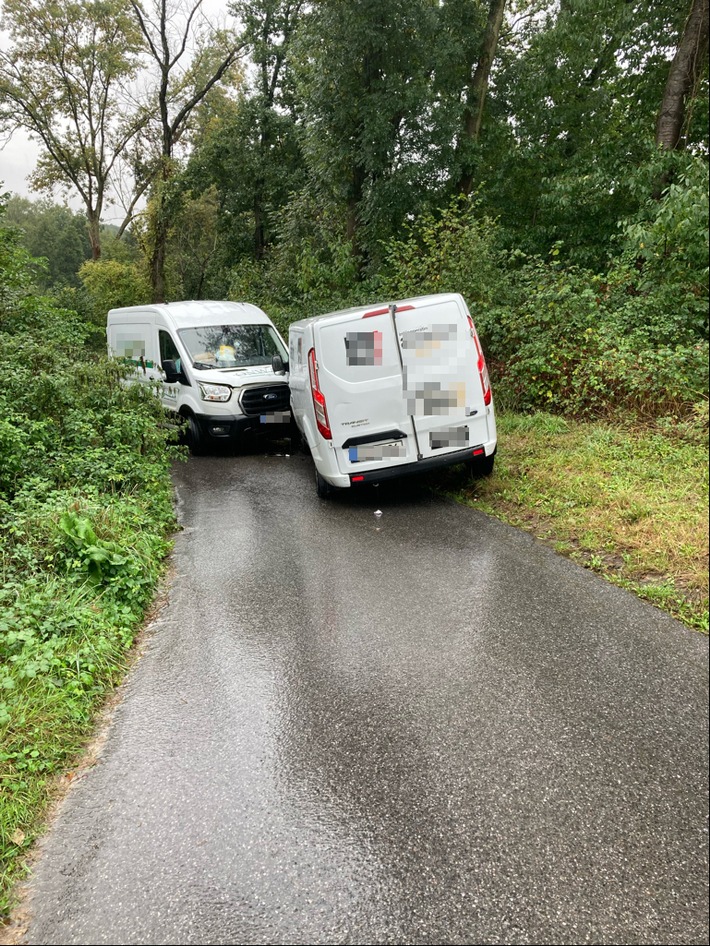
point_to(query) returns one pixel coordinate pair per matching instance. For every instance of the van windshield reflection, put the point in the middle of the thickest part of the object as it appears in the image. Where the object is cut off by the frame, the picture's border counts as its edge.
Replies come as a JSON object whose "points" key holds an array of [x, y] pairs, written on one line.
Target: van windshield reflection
{"points": [[231, 346]]}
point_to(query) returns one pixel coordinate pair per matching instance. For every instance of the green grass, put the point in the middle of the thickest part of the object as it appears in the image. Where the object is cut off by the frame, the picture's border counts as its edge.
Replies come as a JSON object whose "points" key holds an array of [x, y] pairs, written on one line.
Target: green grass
{"points": [[631, 503], [66, 630]]}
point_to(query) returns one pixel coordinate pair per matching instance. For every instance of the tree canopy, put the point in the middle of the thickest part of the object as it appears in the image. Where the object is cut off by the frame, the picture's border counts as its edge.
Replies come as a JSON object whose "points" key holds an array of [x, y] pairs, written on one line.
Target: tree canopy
{"points": [[293, 154]]}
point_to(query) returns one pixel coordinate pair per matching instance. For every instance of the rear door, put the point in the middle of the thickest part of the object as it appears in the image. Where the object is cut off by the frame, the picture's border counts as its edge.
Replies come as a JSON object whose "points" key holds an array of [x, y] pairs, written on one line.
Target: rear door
{"points": [[360, 375], [401, 388], [440, 381]]}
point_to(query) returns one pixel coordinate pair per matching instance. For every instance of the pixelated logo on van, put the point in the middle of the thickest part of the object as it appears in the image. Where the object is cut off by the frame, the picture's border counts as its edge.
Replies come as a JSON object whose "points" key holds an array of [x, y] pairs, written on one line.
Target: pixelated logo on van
{"points": [[448, 437], [427, 343], [363, 348], [432, 399], [132, 349]]}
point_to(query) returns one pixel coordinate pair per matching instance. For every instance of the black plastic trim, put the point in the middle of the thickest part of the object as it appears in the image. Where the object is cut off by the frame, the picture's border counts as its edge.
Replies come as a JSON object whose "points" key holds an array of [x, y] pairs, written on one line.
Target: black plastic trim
{"points": [[262, 398], [421, 466], [239, 427], [384, 437]]}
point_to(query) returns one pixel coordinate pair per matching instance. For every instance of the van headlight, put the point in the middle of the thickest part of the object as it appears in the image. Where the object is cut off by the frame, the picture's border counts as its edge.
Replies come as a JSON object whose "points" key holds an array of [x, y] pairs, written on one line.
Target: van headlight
{"points": [[214, 392]]}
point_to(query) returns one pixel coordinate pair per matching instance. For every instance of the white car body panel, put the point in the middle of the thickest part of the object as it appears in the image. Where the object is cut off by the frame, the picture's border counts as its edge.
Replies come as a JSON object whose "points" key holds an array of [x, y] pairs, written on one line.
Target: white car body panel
{"points": [[399, 388]]}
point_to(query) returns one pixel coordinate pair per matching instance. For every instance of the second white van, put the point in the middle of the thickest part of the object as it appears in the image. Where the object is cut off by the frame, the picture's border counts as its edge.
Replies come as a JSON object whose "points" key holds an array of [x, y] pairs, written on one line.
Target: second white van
{"points": [[390, 389], [211, 363]]}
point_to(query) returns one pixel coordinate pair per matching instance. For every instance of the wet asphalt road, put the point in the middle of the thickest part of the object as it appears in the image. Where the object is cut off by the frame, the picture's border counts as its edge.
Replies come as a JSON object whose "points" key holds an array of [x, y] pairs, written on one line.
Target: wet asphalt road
{"points": [[433, 730]]}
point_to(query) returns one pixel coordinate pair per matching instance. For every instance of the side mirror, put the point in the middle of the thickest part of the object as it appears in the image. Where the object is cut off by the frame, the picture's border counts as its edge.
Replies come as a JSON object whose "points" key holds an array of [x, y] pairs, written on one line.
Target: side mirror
{"points": [[279, 365], [172, 375]]}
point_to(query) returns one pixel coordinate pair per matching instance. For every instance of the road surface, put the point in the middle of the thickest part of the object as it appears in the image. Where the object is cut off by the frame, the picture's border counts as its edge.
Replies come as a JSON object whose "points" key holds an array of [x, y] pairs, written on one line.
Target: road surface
{"points": [[419, 728]]}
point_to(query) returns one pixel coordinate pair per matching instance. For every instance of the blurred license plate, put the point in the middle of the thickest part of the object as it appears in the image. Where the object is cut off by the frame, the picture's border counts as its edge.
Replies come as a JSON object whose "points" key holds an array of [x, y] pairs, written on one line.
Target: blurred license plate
{"points": [[276, 417], [376, 451]]}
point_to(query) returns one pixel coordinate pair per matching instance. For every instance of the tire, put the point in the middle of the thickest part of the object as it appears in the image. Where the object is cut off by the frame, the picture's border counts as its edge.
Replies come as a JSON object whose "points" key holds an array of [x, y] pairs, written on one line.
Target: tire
{"points": [[298, 441], [323, 487], [482, 466], [196, 439]]}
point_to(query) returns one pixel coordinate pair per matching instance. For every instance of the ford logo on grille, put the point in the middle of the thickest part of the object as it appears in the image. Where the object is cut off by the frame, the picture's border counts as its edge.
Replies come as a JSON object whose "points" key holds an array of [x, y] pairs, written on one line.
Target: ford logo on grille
{"points": [[269, 397]]}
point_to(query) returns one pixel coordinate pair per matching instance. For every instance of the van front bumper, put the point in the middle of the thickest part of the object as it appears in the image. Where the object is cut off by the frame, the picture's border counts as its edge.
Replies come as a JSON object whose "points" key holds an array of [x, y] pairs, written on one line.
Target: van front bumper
{"points": [[223, 429], [420, 466]]}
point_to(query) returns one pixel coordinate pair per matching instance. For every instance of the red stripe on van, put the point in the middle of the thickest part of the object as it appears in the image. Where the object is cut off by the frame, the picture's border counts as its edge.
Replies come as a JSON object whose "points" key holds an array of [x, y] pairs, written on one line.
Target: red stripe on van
{"points": [[402, 308]]}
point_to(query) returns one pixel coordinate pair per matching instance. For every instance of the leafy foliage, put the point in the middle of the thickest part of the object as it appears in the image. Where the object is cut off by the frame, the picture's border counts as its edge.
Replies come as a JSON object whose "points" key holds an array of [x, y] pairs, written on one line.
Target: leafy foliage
{"points": [[85, 516], [667, 239], [364, 78], [575, 343], [53, 233], [110, 283]]}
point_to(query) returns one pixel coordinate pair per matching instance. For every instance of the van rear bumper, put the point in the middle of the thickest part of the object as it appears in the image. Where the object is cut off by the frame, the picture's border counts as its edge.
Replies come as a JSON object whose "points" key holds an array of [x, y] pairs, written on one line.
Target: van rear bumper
{"points": [[420, 466]]}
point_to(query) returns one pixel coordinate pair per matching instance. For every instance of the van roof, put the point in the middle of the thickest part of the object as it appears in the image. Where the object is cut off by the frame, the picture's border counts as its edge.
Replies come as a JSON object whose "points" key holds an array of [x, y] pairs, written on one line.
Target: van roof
{"points": [[186, 314], [356, 312]]}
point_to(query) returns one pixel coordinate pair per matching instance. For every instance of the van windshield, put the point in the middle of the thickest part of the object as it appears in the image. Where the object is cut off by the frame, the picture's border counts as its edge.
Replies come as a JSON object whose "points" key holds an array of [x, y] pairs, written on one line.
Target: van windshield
{"points": [[231, 346]]}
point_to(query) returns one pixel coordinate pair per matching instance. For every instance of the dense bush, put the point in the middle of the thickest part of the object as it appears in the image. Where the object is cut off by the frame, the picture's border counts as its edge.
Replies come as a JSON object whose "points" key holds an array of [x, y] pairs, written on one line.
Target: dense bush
{"points": [[85, 518], [76, 447], [111, 283], [561, 338], [557, 337], [582, 344]]}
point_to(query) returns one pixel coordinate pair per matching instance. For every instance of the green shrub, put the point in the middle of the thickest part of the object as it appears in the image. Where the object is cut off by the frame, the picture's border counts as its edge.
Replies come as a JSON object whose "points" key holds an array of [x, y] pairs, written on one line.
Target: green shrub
{"points": [[85, 519], [454, 251], [110, 283], [558, 337], [590, 345]]}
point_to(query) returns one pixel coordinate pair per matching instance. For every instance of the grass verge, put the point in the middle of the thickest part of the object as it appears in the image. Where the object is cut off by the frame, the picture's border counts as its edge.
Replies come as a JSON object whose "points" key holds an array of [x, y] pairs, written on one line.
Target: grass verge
{"points": [[631, 503], [65, 640]]}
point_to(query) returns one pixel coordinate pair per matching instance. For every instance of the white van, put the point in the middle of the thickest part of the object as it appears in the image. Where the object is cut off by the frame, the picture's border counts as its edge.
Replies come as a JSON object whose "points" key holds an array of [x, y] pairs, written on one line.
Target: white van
{"points": [[212, 363], [386, 390]]}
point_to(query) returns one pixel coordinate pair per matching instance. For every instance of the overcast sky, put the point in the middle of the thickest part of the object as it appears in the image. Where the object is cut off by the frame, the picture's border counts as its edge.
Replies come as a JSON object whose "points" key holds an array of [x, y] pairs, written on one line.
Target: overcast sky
{"points": [[18, 157], [17, 161]]}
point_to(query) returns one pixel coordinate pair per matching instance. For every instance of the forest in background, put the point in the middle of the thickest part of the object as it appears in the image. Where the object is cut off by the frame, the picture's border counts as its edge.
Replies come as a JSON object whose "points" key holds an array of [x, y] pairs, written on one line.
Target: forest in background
{"points": [[549, 160]]}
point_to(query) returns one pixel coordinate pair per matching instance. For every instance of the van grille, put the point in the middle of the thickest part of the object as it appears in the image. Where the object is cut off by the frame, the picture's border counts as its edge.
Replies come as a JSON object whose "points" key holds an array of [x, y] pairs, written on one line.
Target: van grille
{"points": [[267, 397]]}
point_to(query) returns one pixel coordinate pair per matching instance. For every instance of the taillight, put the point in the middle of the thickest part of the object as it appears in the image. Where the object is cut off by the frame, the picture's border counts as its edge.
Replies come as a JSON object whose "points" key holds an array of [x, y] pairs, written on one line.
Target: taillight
{"points": [[318, 398], [482, 369]]}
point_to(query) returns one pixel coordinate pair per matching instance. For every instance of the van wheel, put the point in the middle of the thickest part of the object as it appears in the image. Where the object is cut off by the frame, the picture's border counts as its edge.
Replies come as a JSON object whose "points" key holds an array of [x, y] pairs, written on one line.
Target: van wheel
{"points": [[298, 441], [195, 436], [482, 466], [323, 487]]}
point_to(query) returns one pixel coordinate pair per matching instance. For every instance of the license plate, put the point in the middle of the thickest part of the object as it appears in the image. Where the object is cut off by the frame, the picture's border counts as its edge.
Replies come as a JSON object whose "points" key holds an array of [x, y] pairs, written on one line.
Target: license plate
{"points": [[276, 417], [376, 451]]}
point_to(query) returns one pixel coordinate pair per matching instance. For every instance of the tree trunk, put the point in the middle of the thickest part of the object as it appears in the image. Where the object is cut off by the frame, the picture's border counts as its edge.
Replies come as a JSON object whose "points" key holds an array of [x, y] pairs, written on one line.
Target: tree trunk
{"points": [[159, 214], [157, 269], [354, 201], [160, 237], [259, 230], [473, 113], [685, 72], [157, 262], [93, 224]]}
